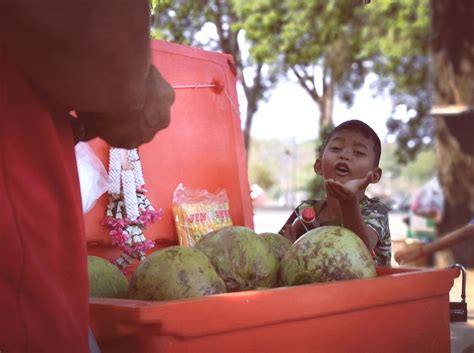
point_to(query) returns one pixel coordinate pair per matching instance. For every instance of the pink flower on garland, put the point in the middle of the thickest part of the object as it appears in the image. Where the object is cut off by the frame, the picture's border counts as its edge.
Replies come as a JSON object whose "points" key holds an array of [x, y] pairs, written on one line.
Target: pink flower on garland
{"points": [[118, 237], [114, 223], [145, 246], [149, 216]]}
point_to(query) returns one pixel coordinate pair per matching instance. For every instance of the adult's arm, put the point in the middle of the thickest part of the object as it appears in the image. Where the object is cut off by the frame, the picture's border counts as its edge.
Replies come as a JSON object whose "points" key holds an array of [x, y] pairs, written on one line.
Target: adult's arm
{"points": [[456, 236], [92, 56]]}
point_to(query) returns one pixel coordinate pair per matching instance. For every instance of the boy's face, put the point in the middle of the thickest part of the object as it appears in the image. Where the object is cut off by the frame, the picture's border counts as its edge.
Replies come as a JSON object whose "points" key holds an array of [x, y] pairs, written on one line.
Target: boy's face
{"points": [[348, 155]]}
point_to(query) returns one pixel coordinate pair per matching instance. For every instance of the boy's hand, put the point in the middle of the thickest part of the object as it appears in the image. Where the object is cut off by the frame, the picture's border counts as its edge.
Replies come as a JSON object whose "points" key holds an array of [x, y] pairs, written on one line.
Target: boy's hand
{"points": [[348, 190], [347, 195]]}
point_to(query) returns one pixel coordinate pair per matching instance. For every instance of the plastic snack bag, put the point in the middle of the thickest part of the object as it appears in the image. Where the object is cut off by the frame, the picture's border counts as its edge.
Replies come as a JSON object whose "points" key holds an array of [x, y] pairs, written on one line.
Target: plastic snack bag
{"points": [[198, 212], [93, 178]]}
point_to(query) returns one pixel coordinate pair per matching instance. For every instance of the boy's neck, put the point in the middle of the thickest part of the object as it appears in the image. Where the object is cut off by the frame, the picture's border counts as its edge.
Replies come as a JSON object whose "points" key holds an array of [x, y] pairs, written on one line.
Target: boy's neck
{"points": [[332, 208]]}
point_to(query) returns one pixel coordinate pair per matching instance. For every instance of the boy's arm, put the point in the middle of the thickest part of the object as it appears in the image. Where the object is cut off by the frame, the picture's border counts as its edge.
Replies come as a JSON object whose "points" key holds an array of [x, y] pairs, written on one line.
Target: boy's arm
{"points": [[348, 196], [287, 230], [90, 56], [353, 220]]}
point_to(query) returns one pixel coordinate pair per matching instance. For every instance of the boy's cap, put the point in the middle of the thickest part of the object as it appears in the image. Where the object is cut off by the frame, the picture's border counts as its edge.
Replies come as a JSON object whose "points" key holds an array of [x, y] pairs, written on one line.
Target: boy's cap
{"points": [[358, 125], [365, 129]]}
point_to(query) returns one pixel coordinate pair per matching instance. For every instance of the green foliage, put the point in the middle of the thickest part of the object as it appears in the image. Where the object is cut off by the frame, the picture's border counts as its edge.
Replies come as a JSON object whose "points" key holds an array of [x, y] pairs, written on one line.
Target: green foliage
{"points": [[326, 46], [330, 46], [215, 25], [315, 188], [388, 161], [400, 181], [308, 37], [262, 176], [397, 38], [178, 20], [265, 163], [422, 168]]}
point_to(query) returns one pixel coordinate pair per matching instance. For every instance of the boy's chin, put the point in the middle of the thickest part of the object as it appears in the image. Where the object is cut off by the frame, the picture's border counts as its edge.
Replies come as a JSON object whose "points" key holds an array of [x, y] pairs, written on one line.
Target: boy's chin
{"points": [[340, 178]]}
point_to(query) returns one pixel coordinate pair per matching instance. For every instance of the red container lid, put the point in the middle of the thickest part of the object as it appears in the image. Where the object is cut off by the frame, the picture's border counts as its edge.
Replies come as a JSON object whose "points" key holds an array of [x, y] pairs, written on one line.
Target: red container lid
{"points": [[203, 147]]}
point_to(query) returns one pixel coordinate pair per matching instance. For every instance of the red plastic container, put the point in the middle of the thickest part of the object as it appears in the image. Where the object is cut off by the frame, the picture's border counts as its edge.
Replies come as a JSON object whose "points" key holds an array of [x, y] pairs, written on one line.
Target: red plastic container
{"points": [[399, 311]]}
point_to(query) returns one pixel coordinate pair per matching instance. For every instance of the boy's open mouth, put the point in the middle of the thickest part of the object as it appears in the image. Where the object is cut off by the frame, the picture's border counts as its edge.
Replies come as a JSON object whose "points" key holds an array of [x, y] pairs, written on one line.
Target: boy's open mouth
{"points": [[342, 169]]}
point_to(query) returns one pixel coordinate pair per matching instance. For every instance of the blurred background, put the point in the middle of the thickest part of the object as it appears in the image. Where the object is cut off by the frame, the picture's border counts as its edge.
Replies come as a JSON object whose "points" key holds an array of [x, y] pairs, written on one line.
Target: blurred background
{"points": [[303, 66]]}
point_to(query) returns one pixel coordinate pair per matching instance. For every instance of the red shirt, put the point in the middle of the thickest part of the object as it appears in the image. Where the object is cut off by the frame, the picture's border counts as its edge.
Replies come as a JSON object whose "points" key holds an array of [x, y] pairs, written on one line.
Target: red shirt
{"points": [[43, 270]]}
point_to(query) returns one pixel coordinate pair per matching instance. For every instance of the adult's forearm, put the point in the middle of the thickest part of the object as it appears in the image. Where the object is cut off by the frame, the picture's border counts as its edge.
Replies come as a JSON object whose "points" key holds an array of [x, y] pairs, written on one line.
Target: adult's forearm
{"points": [[90, 55], [450, 239]]}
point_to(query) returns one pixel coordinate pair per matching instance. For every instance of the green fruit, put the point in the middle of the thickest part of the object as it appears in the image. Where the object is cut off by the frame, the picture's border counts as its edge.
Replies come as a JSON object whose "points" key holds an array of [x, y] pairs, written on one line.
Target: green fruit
{"points": [[277, 242], [175, 272], [326, 254], [105, 279], [242, 259]]}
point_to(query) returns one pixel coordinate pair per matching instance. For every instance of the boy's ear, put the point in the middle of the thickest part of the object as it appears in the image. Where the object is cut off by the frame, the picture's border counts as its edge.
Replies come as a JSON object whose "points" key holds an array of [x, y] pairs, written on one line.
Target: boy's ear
{"points": [[377, 174], [318, 167]]}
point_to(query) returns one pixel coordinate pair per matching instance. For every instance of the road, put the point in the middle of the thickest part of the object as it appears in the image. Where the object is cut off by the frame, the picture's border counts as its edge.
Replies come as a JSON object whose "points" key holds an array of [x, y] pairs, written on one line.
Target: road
{"points": [[271, 219]]}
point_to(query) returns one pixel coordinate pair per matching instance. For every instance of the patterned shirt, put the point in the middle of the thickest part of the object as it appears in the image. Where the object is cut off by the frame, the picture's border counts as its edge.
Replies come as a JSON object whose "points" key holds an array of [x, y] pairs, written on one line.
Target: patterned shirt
{"points": [[375, 215]]}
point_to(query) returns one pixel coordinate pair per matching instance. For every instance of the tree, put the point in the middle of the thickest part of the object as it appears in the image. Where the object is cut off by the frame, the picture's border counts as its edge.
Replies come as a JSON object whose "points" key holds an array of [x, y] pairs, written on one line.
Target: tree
{"points": [[409, 35], [452, 46], [317, 42], [181, 21], [397, 39]]}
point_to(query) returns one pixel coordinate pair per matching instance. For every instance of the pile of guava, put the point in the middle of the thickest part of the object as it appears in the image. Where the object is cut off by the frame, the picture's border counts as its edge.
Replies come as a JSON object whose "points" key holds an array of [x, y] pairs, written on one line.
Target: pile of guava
{"points": [[234, 259]]}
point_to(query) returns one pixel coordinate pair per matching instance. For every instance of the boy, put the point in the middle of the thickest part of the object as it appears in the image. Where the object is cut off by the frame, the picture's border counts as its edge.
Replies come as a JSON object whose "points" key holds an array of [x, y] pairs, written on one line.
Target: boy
{"points": [[349, 162]]}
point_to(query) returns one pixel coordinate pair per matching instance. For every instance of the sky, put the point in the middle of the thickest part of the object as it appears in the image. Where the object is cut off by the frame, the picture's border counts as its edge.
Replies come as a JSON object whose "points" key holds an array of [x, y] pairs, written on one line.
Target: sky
{"points": [[291, 115]]}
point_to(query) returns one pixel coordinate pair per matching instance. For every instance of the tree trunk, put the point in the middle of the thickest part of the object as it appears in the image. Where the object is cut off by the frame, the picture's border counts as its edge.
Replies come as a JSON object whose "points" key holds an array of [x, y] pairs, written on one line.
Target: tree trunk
{"points": [[251, 110], [325, 120], [253, 92], [326, 106], [452, 48]]}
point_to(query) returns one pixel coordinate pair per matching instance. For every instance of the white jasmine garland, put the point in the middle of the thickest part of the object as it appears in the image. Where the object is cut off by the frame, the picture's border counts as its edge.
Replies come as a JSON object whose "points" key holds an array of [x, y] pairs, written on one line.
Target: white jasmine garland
{"points": [[130, 195], [134, 160], [115, 169], [129, 210]]}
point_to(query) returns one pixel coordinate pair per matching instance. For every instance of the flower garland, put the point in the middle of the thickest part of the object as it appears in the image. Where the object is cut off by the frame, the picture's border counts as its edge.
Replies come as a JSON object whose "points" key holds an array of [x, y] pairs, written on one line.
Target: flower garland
{"points": [[129, 211]]}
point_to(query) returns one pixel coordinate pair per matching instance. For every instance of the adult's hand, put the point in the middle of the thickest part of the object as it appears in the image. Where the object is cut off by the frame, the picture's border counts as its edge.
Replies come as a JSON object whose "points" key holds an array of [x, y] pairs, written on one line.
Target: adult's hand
{"points": [[89, 62], [131, 129], [414, 252]]}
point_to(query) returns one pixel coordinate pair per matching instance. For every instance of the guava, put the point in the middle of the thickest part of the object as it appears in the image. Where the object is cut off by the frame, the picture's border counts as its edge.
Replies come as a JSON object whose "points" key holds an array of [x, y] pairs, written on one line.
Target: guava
{"points": [[241, 258], [105, 279], [277, 242], [176, 272], [325, 254]]}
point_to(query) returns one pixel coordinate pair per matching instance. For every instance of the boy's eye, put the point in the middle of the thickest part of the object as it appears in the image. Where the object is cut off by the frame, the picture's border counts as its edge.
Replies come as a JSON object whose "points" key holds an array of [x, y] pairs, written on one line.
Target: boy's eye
{"points": [[360, 153], [335, 148]]}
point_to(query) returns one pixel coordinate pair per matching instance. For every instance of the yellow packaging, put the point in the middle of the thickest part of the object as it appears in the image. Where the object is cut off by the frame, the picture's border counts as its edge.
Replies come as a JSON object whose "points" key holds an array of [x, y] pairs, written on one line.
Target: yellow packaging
{"points": [[198, 212]]}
